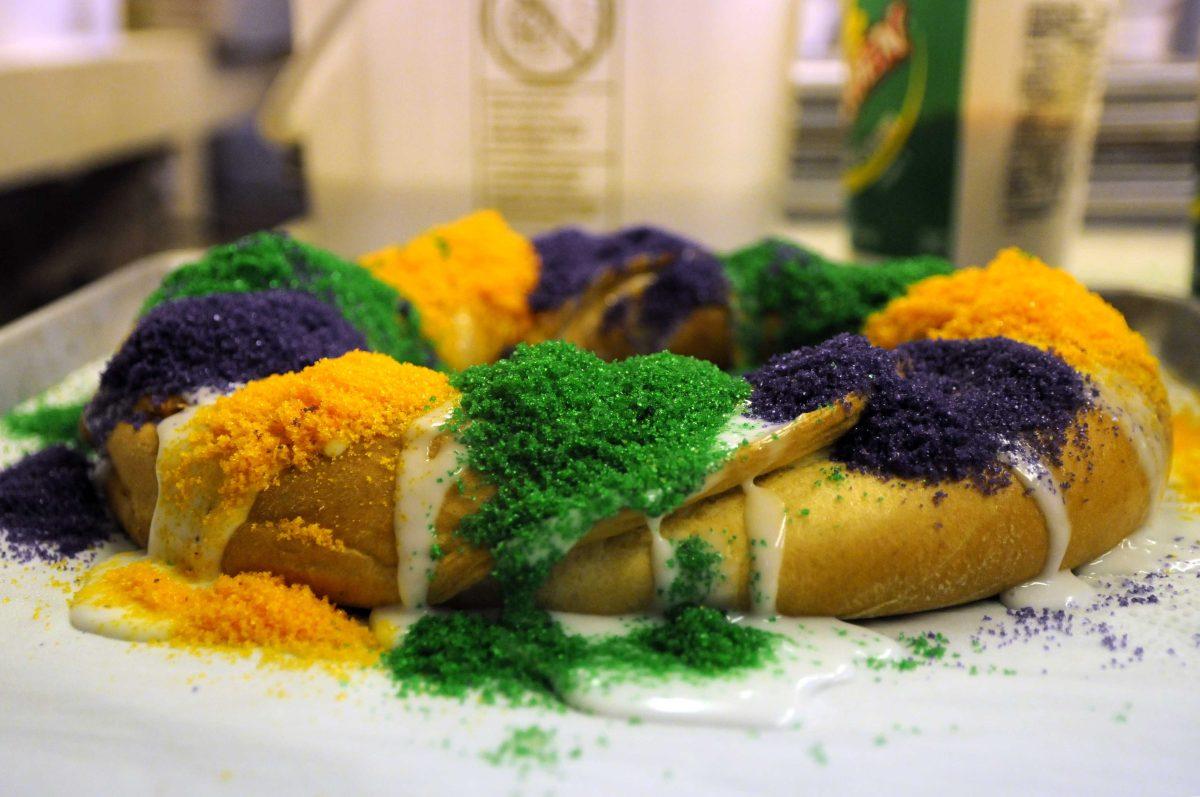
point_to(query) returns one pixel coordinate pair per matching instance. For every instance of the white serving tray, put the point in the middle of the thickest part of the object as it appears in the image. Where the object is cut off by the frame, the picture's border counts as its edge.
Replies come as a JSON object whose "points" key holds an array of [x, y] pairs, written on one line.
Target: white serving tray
{"points": [[80, 714]]}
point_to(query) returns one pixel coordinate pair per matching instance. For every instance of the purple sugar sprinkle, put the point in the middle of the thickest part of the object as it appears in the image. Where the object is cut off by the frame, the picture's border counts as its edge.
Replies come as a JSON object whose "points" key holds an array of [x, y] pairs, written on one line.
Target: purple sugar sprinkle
{"points": [[49, 508], [569, 264], [940, 410], [1095, 620], [693, 279], [955, 405], [212, 342], [806, 379], [573, 258]]}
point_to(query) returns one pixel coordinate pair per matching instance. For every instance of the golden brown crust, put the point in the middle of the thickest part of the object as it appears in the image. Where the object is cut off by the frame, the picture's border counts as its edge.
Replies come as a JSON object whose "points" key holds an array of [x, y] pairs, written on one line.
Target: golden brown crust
{"points": [[131, 484], [706, 333], [868, 547], [864, 547], [352, 496], [464, 565]]}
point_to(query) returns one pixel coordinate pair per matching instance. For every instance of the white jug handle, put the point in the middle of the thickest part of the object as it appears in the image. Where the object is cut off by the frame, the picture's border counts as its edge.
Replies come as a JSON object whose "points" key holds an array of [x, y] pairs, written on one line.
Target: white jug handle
{"points": [[281, 118]]}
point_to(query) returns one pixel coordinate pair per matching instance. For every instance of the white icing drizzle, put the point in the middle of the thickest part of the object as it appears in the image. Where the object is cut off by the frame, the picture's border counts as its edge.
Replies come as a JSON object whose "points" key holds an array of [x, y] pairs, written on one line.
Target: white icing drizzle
{"points": [[662, 561], [766, 530], [1168, 542], [1062, 590], [207, 395], [389, 624], [421, 484], [1055, 588], [815, 653], [1138, 420], [765, 527], [192, 535], [742, 430], [1052, 587], [92, 613]]}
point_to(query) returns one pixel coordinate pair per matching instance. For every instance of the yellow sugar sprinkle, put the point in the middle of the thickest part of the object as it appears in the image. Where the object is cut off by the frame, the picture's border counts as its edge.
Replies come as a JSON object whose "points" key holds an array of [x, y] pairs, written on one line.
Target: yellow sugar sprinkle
{"points": [[291, 420], [1020, 297], [469, 280], [246, 612], [1185, 459], [299, 530]]}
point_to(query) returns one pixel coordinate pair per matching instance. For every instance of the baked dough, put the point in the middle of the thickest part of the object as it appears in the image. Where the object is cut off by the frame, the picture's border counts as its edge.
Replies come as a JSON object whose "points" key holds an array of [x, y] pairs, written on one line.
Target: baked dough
{"points": [[865, 547], [854, 544], [869, 547], [706, 332]]}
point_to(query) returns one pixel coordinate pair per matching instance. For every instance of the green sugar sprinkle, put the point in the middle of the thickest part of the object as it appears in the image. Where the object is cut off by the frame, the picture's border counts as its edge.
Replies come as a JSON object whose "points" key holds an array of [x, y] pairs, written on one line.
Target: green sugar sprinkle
{"points": [[517, 657], [697, 567], [788, 297], [268, 260], [526, 747], [694, 640], [817, 753], [527, 658], [924, 649], [46, 423], [568, 439], [930, 646]]}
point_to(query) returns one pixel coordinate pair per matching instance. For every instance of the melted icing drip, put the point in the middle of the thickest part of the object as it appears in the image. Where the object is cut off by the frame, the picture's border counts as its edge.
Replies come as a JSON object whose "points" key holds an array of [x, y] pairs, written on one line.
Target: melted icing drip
{"points": [[92, 613], [743, 430], [1144, 551], [421, 484], [661, 561], [389, 624], [765, 515], [1168, 542], [192, 536], [1059, 591], [1052, 588], [1138, 420], [815, 653], [766, 528]]}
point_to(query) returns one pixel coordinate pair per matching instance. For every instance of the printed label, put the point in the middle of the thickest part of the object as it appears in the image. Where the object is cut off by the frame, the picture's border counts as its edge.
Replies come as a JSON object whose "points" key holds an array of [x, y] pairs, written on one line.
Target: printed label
{"points": [[1062, 43], [547, 98], [901, 106], [1031, 104]]}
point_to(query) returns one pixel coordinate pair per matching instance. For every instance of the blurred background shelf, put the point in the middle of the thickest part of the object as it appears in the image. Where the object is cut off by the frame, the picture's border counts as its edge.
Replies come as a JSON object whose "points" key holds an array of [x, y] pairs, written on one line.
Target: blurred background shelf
{"points": [[83, 102], [129, 130], [1142, 168]]}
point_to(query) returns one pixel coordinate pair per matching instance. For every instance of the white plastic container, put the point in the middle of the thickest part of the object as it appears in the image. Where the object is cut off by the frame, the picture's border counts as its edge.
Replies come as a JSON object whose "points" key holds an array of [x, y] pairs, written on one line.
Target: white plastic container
{"points": [[972, 124], [600, 112], [1032, 104]]}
